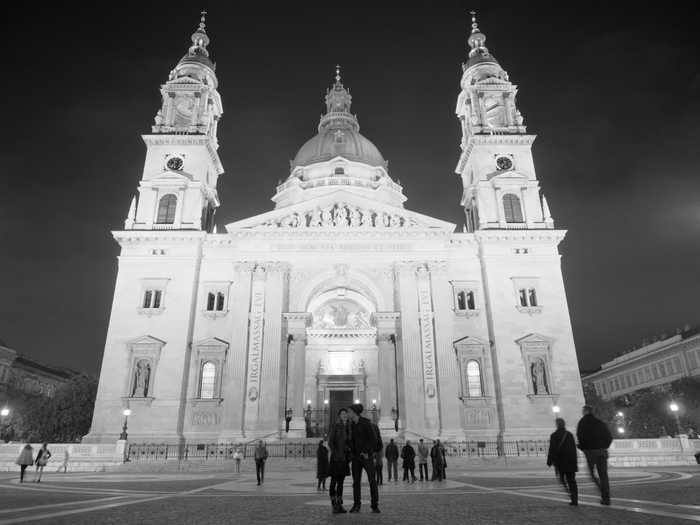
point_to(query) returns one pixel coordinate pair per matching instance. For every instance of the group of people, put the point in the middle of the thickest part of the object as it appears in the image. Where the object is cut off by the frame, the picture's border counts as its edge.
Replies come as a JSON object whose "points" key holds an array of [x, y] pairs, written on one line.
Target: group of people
{"points": [[356, 446], [594, 439], [26, 459]]}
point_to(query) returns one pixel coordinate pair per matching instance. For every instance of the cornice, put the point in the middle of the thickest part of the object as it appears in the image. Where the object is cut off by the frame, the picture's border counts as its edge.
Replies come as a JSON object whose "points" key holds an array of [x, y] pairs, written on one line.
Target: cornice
{"points": [[335, 234], [167, 139], [494, 236], [149, 236]]}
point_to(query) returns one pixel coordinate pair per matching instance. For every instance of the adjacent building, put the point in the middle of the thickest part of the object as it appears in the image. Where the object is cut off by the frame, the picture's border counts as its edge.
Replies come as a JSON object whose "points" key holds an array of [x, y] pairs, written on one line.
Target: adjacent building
{"points": [[339, 293], [653, 364], [30, 377]]}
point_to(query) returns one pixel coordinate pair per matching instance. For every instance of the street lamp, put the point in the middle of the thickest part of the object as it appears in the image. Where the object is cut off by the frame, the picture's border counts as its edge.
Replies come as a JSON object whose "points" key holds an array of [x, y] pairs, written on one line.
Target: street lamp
{"points": [[374, 411], [395, 410], [674, 408], [4, 412], [126, 413], [620, 414], [556, 410], [620, 430]]}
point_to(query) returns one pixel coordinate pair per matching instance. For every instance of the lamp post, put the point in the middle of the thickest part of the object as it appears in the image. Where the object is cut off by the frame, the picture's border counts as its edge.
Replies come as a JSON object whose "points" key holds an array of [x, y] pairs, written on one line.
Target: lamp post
{"points": [[395, 411], [374, 411], [4, 412], [126, 413], [287, 411], [674, 408], [556, 410]]}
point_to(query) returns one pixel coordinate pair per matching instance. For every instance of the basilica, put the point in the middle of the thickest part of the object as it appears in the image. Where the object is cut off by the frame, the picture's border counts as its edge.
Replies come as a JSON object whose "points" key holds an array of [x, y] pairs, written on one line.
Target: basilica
{"points": [[339, 293]]}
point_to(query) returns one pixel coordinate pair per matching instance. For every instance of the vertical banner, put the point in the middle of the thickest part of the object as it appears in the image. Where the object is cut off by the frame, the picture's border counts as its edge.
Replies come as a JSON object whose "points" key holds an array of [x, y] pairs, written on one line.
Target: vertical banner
{"points": [[427, 332], [255, 344]]}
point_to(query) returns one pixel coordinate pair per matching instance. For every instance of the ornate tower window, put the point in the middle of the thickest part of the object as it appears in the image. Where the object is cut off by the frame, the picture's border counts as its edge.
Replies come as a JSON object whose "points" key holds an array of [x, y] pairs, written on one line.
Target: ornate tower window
{"points": [[472, 358], [208, 364], [166, 209], [152, 296], [512, 209], [473, 374]]}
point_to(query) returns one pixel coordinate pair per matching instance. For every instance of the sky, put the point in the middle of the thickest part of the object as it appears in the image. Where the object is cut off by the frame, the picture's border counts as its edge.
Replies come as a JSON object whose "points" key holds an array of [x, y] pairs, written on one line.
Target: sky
{"points": [[612, 93]]}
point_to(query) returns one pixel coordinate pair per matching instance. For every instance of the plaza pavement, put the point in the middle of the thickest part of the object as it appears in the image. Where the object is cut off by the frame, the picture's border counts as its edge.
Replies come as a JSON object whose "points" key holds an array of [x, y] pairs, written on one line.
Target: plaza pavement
{"points": [[514, 495]]}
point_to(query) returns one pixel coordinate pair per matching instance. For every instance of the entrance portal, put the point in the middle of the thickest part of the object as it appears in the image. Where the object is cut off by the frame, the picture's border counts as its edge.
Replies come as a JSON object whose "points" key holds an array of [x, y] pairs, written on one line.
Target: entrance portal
{"points": [[339, 399]]}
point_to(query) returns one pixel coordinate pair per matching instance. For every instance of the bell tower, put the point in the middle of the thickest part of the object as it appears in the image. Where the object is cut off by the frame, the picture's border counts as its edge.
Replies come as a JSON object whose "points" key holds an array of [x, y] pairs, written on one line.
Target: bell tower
{"points": [[177, 190], [501, 190]]}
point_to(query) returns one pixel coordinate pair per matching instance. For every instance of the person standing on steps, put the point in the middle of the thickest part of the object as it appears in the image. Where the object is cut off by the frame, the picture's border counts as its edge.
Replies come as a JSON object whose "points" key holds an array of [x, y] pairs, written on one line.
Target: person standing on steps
{"points": [[321, 466], [423, 454], [238, 456], [594, 438], [562, 454], [408, 454], [392, 459], [339, 444], [25, 459], [363, 444], [260, 458]]}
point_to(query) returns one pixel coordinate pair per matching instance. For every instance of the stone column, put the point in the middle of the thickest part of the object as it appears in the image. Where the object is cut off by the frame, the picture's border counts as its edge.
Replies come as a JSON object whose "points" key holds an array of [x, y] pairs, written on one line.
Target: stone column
{"points": [[499, 208], [254, 355], [523, 202], [296, 327], [411, 401], [234, 374], [169, 105], [386, 323], [427, 332]]}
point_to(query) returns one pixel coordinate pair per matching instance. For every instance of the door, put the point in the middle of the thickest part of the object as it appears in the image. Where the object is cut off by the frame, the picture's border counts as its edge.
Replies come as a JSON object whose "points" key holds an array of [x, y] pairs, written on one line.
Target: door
{"points": [[339, 399]]}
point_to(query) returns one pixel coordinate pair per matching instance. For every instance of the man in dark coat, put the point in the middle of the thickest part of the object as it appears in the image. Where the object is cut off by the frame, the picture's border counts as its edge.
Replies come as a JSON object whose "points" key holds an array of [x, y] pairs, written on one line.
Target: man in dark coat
{"points": [[562, 454], [408, 454], [363, 444], [594, 438], [392, 459], [437, 455]]}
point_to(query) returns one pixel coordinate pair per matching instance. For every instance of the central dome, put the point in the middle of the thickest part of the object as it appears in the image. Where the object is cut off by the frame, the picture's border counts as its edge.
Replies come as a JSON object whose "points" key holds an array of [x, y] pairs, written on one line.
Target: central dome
{"points": [[338, 134], [333, 142]]}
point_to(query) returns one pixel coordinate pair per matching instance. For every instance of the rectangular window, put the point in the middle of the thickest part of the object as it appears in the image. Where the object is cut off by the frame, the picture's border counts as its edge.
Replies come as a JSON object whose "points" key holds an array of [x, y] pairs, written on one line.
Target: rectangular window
{"points": [[220, 300], [523, 297], [157, 294], [210, 302], [532, 295], [147, 296], [152, 299], [662, 369]]}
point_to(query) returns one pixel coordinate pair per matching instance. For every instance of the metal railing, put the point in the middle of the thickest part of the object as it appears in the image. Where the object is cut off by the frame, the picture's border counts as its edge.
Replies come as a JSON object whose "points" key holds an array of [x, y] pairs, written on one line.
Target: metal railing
{"points": [[153, 452]]}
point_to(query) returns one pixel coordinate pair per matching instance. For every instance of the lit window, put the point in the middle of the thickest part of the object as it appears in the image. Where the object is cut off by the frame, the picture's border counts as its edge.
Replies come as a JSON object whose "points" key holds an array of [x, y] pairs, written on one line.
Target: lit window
{"points": [[474, 379], [208, 377], [166, 209], [511, 208]]}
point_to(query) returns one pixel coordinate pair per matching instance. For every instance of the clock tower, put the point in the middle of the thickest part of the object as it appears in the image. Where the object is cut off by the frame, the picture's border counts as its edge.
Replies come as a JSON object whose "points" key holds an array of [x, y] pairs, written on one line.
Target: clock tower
{"points": [[177, 190], [498, 174]]}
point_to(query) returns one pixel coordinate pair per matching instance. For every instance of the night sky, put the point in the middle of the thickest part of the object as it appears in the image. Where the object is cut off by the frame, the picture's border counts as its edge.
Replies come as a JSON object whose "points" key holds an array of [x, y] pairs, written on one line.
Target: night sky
{"points": [[612, 93]]}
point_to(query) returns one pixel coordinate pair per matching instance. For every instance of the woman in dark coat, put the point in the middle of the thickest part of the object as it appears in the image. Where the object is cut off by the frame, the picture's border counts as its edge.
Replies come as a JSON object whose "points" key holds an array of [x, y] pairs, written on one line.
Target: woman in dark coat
{"points": [[562, 454], [322, 466], [408, 454], [339, 443]]}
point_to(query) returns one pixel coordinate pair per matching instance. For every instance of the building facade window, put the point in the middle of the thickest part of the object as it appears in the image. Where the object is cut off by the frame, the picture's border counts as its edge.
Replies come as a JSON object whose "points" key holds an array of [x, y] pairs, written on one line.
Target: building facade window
{"points": [[166, 209], [216, 298], [152, 298], [464, 298], [527, 297], [474, 388], [207, 380], [511, 208]]}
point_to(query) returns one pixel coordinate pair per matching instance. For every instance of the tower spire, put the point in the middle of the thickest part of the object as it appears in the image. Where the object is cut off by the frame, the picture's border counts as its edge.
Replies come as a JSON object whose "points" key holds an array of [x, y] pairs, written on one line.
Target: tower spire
{"points": [[200, 39], [337, 75], [476, 38]]}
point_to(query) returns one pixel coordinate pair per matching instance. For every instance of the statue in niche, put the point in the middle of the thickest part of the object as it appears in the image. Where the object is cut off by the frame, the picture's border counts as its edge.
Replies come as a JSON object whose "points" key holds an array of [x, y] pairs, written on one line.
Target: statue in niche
{"points": [[315, 220], [159, 118], [327, 216], [341, 216], [294, 221], [142, 378], [539, 377], [385, 220], [395, 221], [354, 217], [366, 221]]}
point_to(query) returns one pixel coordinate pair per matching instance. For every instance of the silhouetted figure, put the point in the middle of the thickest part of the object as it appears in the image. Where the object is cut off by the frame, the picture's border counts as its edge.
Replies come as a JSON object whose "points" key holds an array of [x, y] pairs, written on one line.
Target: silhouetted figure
{"points": [[42, 458], [594, 438], [25, 459], [392, 460], [339, 444], [562, 454], [363, 439], [260, 458], [423, 455], [437, 455], [321, 465], [408, 454]]}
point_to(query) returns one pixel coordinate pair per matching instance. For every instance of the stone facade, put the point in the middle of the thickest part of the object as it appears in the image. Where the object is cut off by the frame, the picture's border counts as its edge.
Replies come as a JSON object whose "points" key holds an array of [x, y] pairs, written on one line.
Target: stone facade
{"points": [[29, 376], [339, 293]]}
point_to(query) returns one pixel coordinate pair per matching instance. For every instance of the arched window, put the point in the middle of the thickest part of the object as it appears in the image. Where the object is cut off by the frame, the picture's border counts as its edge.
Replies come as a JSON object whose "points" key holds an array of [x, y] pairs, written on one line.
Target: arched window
{"points": [[511, 208], [474, 379], [207, 381], [166, 209]]}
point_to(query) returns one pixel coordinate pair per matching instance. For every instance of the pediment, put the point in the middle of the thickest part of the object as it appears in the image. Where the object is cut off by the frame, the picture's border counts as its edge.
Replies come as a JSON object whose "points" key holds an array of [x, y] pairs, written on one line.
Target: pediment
{"points": [[211, 342], [470, 340], [146, 340], [172, 176], [341, 211], [505, 176], [535, 339]]}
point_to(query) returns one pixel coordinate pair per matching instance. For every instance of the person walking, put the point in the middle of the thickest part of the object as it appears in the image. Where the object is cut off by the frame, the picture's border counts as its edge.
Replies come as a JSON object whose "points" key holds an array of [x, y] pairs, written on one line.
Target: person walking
{"points": [[392, 459], [594, 438], [66, 459], [260, 458], [423, 454], [322, 465], [363, 444], [339, 444], [379, 466], [408, 454], [238, 456], [437, 456], [42, 458], [25, 459], [562, 454]]}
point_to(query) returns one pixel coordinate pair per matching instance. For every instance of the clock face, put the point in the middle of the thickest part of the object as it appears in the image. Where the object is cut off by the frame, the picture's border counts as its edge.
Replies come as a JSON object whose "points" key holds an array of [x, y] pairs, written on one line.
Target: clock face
{"points": [[504, 163], [175, 163]]}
